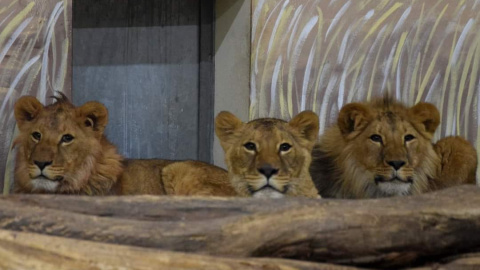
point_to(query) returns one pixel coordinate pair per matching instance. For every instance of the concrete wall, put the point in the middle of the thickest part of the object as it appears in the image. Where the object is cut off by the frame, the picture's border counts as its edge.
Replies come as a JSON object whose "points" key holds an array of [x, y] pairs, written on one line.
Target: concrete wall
{"points": [[232, 62]]}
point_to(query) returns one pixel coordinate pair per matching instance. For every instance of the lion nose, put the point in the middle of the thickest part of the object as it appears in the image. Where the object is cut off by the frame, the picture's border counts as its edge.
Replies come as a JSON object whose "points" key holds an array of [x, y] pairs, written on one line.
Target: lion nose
{"points": [[396, 164], [42, 164], [268, 171]]}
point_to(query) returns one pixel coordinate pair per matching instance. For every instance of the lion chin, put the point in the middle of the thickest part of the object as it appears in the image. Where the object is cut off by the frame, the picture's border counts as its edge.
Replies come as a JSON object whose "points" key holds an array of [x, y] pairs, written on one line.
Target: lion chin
{"points": [[268, 192], [395, 186], [42, 184]]}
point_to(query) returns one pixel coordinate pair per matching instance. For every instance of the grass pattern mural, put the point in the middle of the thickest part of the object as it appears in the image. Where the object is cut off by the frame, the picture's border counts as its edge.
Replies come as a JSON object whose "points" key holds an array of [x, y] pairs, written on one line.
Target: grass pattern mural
{"points": [[35, 57], [322, 54]]}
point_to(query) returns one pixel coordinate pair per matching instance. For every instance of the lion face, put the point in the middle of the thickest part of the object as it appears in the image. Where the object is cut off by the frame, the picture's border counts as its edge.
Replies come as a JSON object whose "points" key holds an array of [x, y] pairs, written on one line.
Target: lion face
{"points": [[269, 157], [58, 143], [389, 147]]}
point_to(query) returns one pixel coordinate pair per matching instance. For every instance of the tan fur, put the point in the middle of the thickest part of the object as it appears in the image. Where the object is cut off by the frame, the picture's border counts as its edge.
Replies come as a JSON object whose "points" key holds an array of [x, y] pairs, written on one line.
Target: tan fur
{"points": [[350, 162], [90, 165], [166, 177], [248, 168], [458, 162]]}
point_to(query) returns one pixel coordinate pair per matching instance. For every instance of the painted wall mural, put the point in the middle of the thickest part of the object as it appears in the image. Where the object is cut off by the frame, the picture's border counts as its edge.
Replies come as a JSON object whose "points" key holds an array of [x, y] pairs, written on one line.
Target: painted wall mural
{"points": [[35, 59], [322, 54]]}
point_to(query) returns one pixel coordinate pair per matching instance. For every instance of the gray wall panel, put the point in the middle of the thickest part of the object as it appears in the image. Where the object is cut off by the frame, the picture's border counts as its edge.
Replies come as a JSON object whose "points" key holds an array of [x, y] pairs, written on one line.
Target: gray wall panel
{"points": [[146, 71]]}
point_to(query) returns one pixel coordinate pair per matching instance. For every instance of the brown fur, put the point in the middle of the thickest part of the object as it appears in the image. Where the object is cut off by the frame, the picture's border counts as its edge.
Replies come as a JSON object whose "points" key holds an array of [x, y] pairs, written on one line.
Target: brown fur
{"points": [[89, 164], [245, 166], [166, 177], [349, 162], [458, 162]]}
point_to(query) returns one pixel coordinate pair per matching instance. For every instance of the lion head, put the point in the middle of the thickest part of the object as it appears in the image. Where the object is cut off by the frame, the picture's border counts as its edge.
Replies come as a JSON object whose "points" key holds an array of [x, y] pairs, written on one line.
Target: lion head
{"points": [[62, 148], [269, 157], [377, 149]]}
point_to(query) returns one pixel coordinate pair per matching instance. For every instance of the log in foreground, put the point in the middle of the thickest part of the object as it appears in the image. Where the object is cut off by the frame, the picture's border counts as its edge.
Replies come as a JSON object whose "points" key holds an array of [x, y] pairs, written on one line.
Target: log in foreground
{"points": [[34, 251], [371, 233], [470, 261]]}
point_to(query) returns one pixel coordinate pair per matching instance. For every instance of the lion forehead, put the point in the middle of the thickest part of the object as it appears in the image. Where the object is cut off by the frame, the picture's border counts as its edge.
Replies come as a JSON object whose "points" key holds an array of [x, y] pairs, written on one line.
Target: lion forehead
{"points": [[54, 121], [56, 116], [268, 135], [266, 123]]}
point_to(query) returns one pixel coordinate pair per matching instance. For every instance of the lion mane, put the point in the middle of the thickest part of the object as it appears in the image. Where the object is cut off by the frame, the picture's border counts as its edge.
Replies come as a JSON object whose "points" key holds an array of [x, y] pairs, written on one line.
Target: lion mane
{"points": [[62, 149], [383, 148]]}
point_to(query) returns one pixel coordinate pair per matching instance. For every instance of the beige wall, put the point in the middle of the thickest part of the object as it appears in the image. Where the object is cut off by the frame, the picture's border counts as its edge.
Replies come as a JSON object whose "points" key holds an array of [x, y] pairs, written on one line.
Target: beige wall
{"points": [[35, 59], [232, 62]]}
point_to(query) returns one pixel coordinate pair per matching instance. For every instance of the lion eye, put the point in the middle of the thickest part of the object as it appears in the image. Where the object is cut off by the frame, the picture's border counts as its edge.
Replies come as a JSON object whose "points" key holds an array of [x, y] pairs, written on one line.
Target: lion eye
{"points": [[284, 147], [376, 138], [36, 136], [409, 137], [67, 138], [250, 146]]}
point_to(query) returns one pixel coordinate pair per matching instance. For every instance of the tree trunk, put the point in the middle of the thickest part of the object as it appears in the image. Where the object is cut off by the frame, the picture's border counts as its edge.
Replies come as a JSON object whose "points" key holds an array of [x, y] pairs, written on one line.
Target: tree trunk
{"points": [[470, 261], [34, 251], [371, 233]]}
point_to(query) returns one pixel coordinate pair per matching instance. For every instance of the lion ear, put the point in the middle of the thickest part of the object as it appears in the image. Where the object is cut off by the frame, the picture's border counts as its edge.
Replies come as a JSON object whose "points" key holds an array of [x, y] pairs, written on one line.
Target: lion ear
{"points": [[427, 114], [306, 123], [93, 115], [353, 117], [226, 126], [26, 109]]}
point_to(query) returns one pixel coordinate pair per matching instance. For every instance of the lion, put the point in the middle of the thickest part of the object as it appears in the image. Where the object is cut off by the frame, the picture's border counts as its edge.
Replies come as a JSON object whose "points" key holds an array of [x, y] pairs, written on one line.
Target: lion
{"points": [[383, 148], [62, 150], [269, 157], [186, 178]]}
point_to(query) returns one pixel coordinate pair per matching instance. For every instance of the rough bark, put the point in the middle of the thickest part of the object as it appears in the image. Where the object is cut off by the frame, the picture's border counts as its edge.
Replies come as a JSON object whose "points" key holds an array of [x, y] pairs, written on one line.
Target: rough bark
{"points": [[20, 250], [371, 233], [470, 261]]}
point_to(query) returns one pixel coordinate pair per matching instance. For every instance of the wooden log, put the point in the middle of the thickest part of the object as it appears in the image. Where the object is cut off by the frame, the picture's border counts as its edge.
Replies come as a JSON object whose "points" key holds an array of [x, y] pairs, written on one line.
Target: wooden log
{"points": [[370, 233], [19, 250], [469, 261]]}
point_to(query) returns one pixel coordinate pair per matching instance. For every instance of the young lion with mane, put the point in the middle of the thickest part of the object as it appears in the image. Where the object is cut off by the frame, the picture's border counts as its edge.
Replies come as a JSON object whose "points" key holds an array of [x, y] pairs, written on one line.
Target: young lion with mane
{"points": [[62, 149], [383, 148]]}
